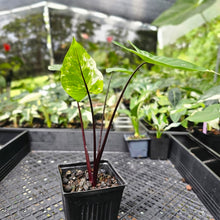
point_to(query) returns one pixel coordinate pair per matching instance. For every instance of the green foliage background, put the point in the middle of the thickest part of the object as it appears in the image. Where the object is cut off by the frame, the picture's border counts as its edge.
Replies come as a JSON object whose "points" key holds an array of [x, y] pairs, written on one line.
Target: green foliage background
{"points": [[199, 46]]}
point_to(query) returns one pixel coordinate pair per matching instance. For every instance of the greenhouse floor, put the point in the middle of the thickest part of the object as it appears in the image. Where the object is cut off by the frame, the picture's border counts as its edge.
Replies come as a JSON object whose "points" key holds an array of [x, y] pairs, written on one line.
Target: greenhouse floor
{"points": [[155, 189]]}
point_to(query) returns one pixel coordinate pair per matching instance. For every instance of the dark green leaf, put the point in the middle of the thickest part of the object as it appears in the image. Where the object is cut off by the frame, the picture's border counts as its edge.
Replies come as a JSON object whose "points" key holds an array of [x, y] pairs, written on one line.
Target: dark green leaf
{"points": [[2, 82], [163, 61], [189, 89], [174, 96]]}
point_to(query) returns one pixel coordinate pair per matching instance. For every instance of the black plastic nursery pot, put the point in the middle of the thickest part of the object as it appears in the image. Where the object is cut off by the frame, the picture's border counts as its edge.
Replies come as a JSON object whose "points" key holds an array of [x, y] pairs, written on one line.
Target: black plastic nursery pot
{"points": [[200, 167], [159, 147], [138, 148], [96, 204], [211, 140], [14, 145]]}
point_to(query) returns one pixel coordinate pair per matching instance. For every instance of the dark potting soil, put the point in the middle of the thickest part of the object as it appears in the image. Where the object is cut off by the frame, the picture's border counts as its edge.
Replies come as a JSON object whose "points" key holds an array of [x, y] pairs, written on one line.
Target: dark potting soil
{"points": [[78, 181], [212, 132], [40, 123], [132, 137]]}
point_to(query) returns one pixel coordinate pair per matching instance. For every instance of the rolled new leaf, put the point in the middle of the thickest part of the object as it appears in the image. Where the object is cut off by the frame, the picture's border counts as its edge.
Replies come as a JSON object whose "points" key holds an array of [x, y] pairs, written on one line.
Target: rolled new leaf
{"points": [[78, 59]]}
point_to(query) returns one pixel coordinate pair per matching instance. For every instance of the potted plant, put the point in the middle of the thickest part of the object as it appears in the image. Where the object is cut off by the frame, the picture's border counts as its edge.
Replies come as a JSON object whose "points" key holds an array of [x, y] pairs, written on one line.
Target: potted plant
{"points": [[88, 197], [159, 146], [137, 143], [167, 62], [90, 189], [156, 117]]}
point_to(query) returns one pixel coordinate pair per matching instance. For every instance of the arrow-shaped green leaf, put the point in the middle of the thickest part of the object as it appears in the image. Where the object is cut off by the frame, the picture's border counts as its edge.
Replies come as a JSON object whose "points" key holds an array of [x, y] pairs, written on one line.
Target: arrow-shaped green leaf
{"points": [[75, 61], [161, 60]]}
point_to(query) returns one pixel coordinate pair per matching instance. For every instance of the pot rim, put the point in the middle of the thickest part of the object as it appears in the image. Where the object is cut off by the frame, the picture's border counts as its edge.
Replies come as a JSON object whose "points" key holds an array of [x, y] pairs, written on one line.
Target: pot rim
{"points": [[122, 182]]}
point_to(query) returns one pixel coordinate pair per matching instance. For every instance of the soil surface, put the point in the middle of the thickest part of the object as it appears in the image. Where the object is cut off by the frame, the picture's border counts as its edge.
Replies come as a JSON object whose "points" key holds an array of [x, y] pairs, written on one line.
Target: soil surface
{"points": [[212, 132], [78, 181], [132, 137]]}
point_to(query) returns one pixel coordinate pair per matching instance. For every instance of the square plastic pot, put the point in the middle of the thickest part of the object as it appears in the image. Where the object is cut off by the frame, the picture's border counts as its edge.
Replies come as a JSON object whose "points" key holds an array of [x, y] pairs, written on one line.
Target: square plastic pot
{"points": [[159, 147], [199, 167], [138, 148], [14, 145], [96, 204]]}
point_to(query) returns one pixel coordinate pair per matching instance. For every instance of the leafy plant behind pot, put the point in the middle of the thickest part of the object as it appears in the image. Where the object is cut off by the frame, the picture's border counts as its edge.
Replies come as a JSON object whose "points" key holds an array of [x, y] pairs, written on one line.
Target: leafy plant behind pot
{"points": [[80, 77], [157, 119], [211, 113], [135, 113], [174, 96], [160, 121]]}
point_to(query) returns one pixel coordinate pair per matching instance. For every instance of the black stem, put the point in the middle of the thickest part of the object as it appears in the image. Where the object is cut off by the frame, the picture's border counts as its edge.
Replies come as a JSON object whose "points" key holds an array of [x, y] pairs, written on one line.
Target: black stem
{"points": [[96, 165]]}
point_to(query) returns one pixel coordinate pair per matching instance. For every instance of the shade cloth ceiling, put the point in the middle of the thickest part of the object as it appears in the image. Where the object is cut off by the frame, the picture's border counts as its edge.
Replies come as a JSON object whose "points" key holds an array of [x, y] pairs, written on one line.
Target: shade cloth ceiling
{"points": [[140, 10]]}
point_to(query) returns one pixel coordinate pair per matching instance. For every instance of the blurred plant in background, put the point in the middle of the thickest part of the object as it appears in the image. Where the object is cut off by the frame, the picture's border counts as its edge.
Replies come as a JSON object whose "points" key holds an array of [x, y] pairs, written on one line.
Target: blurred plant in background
{"points": [[35, 101], [198, 46], [8, 67]]}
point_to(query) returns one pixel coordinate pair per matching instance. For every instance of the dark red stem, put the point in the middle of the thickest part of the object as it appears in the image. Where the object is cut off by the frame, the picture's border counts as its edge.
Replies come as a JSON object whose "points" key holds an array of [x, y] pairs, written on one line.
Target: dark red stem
{"points": [[92, 112], [103, 114], [96, 165], [85, 146]]}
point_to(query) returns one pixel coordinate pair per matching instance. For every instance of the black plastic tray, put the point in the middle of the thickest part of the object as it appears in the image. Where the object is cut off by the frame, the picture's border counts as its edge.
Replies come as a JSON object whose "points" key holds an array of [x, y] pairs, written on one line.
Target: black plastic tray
{"points": [[199, 167], [14, 146], [154, 190], [211, 140]]}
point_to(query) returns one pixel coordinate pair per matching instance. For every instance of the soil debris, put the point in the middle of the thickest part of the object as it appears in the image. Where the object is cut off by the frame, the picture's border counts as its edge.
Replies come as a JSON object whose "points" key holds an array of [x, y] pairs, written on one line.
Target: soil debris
{"points": [[189, 188]]}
